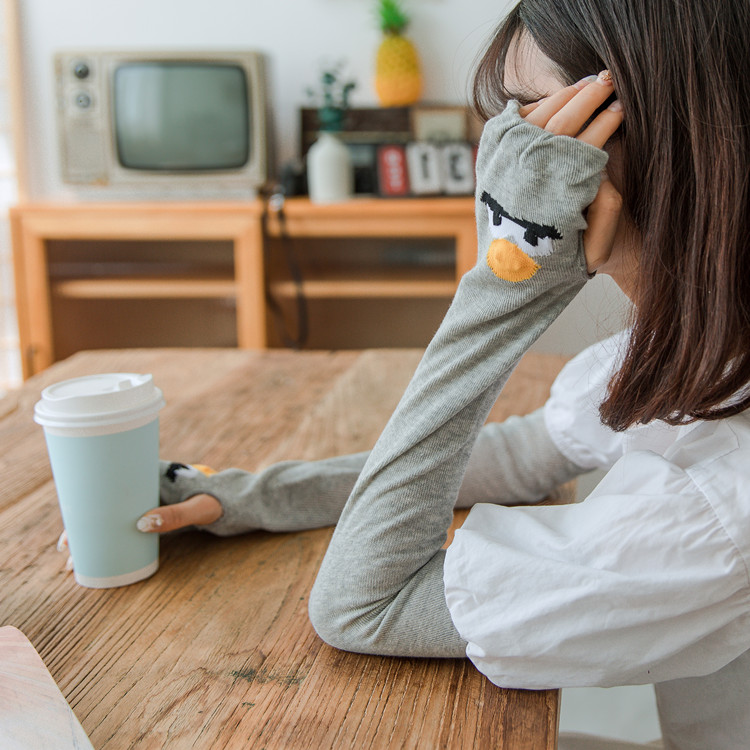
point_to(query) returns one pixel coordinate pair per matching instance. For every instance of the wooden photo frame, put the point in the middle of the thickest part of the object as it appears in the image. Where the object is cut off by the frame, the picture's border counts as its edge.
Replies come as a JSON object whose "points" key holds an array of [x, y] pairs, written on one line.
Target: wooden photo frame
{"points": [[439, 124]]}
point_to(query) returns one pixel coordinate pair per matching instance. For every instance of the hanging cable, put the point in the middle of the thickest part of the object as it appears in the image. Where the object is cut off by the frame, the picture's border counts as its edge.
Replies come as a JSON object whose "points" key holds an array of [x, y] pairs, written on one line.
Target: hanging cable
{"points": [[274, 201]]}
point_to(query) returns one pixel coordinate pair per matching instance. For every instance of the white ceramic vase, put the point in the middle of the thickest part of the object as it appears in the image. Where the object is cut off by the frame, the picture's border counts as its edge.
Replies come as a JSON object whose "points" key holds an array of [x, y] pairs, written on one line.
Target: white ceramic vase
{"points": [[330, 174]]}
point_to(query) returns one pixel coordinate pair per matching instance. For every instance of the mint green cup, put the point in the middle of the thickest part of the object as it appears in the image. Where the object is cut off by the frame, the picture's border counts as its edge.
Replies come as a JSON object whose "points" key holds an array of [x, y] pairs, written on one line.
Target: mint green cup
{"points": [[102, 434]]}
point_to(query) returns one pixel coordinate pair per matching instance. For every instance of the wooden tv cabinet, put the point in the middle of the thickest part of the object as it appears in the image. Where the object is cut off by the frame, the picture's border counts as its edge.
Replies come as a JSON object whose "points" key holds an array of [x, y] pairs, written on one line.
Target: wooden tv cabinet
{"points": [[150, 264]]}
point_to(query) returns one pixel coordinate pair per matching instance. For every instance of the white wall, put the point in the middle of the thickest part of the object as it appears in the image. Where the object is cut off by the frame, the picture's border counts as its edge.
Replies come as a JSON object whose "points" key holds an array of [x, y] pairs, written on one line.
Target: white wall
{"points": [[599, 310], [298, 36]]}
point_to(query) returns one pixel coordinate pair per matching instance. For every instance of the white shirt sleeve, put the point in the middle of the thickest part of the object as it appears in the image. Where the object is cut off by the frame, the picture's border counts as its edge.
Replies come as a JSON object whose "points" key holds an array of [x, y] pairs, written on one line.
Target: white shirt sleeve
{"points": [[639, 583], [571, 414]]}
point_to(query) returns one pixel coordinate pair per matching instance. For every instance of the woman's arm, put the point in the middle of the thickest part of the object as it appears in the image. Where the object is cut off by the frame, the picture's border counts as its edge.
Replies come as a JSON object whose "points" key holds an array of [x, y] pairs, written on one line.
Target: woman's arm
{"points": [[512, 462], [380, 587]]}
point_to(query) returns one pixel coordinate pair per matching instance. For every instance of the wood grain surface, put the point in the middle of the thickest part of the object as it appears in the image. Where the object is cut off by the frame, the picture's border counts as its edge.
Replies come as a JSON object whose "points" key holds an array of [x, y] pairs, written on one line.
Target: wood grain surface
{"points": [[216, 650]]}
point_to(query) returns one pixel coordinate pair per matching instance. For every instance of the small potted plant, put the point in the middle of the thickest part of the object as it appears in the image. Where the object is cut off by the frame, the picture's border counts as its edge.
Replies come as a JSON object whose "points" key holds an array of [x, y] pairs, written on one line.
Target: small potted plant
{"points": [[332, 100], [330, 174]]}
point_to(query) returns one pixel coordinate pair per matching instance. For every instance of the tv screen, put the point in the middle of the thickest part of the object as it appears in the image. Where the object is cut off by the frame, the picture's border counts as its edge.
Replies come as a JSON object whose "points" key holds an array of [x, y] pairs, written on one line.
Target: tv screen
{"points": [[181, 116]]}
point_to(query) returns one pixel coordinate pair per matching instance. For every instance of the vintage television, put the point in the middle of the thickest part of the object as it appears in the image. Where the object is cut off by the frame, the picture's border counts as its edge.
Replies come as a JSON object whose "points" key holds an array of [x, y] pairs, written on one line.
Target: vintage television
{"points": [[168, 123]]}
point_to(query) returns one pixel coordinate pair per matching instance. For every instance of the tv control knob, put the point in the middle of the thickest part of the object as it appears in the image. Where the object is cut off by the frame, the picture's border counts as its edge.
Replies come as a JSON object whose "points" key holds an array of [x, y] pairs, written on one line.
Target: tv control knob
{"points": [[81, 70], [82, 100]]}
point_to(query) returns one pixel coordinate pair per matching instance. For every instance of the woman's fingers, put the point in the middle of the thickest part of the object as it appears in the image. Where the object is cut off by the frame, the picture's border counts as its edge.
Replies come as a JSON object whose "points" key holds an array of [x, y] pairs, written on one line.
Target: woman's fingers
{"points": [[602, 217], [199, 510], [529, 108], [574, 114], [546, 108], [603, 126], [567, 111], [62, 546]]}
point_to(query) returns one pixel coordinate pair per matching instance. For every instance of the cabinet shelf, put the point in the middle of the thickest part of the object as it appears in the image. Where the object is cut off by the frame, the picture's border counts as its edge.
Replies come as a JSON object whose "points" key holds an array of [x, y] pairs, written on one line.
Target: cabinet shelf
{"points": [[337, 283], [146, 287], [375, 272]]}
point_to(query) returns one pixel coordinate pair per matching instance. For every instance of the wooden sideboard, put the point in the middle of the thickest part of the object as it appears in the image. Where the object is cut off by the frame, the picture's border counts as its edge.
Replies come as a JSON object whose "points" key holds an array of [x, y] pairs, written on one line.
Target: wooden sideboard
{"points": [[62, 256]]}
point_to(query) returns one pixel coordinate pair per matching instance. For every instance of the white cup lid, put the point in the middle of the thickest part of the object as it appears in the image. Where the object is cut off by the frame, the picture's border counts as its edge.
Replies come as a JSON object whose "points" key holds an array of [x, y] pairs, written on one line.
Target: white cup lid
{"points": [[96, 400]]}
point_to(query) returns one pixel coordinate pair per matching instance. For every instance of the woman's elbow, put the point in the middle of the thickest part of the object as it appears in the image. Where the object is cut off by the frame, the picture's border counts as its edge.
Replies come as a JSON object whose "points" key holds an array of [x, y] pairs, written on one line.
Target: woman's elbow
{"points": [[335, 621]]}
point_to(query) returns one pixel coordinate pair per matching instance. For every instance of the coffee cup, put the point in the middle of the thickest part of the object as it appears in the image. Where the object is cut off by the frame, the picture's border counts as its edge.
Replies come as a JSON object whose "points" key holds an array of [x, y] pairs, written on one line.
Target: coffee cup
{"points": [[102, 434]]}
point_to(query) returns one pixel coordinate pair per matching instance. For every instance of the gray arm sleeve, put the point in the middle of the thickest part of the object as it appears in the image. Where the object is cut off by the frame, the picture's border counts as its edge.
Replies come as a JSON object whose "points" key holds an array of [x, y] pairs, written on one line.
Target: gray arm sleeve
{"points": [[380, 586], [512, 462]]}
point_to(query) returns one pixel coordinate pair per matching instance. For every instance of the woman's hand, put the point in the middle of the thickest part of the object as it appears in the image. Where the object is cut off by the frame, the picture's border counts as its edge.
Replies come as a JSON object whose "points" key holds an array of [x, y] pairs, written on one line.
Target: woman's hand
{"points": [[569, 112], [199, 510]]}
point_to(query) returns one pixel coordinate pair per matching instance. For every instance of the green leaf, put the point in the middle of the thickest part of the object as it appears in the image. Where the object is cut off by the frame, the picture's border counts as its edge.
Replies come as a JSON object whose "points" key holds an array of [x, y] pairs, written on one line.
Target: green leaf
{"points": [[393, 18]]}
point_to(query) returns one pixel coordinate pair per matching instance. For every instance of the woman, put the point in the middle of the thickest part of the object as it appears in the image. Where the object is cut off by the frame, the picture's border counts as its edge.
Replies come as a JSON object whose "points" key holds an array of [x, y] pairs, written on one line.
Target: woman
{"points": [[647, 579]]}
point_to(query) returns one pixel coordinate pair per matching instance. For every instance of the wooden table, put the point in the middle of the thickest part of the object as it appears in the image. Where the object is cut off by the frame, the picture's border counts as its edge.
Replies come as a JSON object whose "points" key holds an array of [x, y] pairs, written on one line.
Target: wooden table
{"points": [[216, 649]]}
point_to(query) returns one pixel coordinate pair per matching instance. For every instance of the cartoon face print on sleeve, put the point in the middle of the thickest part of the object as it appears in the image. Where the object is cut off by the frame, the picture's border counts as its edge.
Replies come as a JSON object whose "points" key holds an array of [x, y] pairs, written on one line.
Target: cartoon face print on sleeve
{"points": [[515, 243], [533, 188]]}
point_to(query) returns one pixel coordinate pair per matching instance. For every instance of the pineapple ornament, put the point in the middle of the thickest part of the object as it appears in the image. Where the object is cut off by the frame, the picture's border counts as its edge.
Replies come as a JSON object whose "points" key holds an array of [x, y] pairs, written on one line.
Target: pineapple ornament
{"points": [[398, 78]]}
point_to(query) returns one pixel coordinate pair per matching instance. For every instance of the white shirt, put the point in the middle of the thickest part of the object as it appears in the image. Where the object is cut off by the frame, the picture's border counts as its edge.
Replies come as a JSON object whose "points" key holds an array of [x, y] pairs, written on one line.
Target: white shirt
{"points": [[644, 581]]}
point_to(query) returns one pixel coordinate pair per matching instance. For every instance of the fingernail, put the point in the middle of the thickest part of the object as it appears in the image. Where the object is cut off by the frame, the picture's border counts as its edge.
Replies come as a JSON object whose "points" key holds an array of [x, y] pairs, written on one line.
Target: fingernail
{"points": [[616, 106], [69, 564], [62, 542], [149, 522], [605, 78], [585, 82]]}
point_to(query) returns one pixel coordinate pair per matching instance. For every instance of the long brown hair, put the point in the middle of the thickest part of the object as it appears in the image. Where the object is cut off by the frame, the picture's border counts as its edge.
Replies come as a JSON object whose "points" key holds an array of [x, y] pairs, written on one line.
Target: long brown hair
{"points": [[682, 72]]}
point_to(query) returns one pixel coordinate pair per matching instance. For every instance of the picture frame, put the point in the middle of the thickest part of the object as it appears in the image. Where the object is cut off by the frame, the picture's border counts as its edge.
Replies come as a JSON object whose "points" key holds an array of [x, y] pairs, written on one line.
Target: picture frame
{"points": [[439, 124]]}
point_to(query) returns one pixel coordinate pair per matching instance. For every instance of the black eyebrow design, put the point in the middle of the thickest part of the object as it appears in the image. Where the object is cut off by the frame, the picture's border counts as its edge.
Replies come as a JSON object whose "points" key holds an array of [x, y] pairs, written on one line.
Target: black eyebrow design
{"points": [[534, 232]]}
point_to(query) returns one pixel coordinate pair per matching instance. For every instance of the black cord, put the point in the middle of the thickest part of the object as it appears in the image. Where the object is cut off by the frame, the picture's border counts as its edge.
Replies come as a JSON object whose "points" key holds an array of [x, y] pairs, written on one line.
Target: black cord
{"points": [[275, 201]]}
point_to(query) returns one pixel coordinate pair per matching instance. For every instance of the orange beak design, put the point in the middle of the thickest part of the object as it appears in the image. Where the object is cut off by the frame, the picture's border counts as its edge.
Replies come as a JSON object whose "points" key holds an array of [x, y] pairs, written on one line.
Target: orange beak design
{"points": [[509, 262], [516, 243]]}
